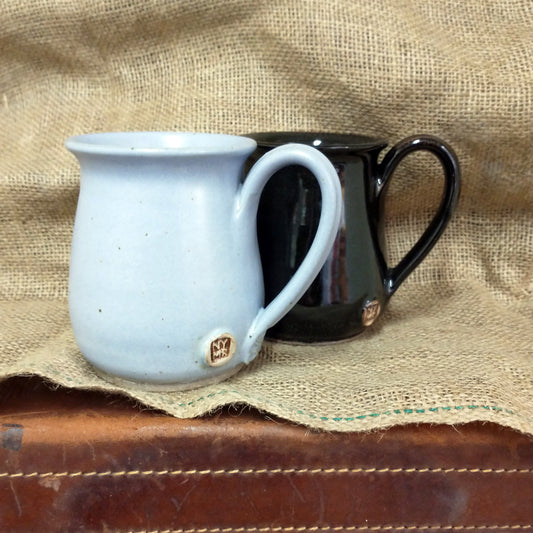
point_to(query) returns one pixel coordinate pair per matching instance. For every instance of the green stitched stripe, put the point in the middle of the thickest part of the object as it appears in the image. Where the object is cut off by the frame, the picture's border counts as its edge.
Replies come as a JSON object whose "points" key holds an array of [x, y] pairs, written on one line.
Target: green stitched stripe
{"points": [[405, 411]]}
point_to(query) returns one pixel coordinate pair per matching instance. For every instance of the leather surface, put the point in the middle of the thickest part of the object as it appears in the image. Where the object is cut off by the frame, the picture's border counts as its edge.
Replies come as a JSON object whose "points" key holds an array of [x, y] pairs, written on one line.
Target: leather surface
{"points": [[88, 461]]}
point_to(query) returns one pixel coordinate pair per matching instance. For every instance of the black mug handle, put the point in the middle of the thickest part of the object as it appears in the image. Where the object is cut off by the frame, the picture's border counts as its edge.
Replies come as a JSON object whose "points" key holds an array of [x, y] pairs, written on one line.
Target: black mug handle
{"points": [[452, 174]]}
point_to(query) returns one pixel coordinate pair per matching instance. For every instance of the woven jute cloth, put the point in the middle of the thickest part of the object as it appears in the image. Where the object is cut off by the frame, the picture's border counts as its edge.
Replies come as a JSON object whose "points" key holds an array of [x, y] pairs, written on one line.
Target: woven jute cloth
{"points": [[456, 341]]}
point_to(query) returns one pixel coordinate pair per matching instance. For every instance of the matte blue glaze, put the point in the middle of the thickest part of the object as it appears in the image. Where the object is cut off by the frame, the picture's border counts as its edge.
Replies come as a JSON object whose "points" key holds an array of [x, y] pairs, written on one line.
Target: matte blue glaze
{"points": [[165, 287]]}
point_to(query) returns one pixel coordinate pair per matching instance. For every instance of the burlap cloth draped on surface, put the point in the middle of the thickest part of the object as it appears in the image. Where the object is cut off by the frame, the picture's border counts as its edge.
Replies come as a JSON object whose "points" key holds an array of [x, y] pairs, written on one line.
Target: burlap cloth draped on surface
{"points": [[456, 342]]}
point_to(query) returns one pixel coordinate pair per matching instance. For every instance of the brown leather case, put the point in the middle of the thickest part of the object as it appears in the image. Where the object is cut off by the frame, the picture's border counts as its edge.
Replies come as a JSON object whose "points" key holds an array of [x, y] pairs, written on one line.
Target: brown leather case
{"points": [[89, 461]]}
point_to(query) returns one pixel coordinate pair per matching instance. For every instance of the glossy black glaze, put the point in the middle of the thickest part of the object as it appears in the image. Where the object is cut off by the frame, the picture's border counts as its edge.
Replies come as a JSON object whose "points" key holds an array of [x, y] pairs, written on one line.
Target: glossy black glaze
{"points": [[356, 283]]}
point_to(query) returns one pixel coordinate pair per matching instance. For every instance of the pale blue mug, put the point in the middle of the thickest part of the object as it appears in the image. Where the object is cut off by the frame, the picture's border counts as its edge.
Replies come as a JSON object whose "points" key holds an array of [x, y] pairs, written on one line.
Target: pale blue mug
{"points": [[165, 286]]}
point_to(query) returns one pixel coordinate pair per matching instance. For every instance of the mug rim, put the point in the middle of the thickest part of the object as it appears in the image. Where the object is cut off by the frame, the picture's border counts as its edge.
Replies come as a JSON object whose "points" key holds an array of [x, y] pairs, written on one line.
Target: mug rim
{"points": [[323, 141], [172, 143]]}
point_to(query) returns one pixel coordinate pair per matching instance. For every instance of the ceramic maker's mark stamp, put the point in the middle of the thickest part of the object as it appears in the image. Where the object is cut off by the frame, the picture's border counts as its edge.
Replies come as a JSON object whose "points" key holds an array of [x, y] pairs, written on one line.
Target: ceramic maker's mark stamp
{"points": [[371, 311], [220, 350]]}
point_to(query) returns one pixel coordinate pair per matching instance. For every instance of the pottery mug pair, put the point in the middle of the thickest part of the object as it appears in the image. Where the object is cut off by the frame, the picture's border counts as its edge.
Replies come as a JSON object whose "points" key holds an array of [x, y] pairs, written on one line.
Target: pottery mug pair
{"points": [[166, 289]]}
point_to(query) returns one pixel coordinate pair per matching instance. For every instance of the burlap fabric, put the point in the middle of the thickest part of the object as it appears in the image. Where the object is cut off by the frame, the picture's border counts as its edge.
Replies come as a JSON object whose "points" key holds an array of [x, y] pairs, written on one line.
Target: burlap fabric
{"points": [[455, 344]]}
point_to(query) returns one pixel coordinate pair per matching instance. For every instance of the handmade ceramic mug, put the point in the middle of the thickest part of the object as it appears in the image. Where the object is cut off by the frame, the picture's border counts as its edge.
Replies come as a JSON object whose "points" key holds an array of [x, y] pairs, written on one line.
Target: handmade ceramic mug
{"points": [[165, 287], [355, 284]]}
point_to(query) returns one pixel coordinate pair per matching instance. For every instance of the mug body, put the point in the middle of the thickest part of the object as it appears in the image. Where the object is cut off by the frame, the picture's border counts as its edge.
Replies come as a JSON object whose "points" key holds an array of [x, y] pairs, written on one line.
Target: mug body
{"points": [[163, 283], [348, 294]]}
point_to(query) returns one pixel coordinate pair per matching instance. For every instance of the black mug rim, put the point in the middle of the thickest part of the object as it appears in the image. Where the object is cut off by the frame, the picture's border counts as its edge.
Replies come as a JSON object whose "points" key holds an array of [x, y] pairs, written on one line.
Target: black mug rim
{"points": [[323, 141]]}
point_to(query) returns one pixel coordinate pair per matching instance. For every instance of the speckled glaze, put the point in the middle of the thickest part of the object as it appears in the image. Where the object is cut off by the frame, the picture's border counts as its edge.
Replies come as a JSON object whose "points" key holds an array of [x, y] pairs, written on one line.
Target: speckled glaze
{"points": [[165, 288], [356, 283]]}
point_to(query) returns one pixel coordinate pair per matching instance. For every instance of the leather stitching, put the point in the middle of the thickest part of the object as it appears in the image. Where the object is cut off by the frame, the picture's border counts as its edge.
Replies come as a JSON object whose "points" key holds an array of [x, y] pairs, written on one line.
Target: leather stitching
{"points": [[255, 471], [285, 471], [318, 529]]}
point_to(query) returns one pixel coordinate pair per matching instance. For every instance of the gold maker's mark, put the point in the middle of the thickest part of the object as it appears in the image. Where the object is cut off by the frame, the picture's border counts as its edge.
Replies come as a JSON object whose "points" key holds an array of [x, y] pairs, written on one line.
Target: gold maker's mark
{"points": [[371, 311], [221, 350]]}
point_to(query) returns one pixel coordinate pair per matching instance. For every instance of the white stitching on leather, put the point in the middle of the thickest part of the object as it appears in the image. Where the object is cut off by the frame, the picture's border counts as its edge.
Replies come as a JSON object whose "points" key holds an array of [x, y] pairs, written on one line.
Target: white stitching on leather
{"points": [[259, 471]]}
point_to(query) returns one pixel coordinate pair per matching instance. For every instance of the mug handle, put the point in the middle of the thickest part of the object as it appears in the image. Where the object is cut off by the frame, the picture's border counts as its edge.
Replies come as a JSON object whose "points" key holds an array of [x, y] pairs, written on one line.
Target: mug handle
{"points": [[395, 276], [330, 215]]}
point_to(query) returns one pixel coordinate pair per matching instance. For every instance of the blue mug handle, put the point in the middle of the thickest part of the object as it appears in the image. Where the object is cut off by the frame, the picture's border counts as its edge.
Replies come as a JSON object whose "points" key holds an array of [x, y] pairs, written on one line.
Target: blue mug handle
{"points": [[331, 207]]}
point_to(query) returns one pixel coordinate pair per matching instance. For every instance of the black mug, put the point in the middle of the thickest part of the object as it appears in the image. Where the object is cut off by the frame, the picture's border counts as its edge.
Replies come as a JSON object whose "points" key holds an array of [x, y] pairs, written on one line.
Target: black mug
{"points": [[355, 284]]}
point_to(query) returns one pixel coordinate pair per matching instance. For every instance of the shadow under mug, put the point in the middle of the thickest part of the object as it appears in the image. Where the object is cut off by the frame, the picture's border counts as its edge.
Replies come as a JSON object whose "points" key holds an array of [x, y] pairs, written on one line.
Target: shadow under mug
{"points": [[355, 284]]}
